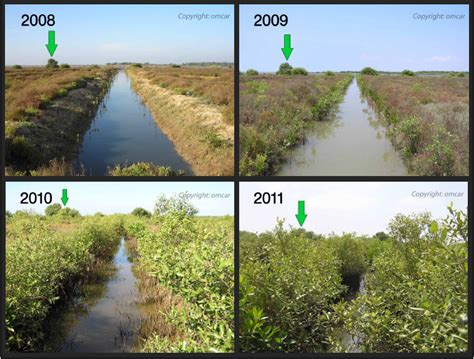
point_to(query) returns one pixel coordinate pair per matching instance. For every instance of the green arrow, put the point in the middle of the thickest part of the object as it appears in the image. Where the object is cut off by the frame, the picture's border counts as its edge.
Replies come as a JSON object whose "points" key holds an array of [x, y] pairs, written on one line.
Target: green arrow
{"points": [[64, 198], [287, 49], [51, 45], [301, 216]]}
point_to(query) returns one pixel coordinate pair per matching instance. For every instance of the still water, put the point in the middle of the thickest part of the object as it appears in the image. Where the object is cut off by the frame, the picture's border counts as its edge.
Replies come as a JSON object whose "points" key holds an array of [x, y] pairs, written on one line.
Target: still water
{"points": [[353, 142], [123, 132], [110, 323]]}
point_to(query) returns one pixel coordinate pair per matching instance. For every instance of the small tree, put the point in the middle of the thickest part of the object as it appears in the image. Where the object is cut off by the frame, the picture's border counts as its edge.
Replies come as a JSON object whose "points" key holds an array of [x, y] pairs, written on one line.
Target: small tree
{"points": [[17, 67], [52, 64], [64, 66], [329, 73], [285, 69], [251, 72], [369, 71], [408, 73], [173, 204], [52, 209], [141, 212]]}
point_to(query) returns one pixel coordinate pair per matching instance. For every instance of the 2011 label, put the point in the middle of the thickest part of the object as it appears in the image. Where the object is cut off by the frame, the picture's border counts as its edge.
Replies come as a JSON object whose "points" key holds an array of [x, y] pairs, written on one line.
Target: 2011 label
{"points": [[267, 198], [35, 20], [32, 197], [271, 20]]}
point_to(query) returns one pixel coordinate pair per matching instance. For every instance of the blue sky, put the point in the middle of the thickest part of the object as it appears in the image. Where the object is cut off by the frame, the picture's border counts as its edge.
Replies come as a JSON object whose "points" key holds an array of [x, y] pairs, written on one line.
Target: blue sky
{"points": [[96, 34], [123, 197], [361, 207], [350, 37]]}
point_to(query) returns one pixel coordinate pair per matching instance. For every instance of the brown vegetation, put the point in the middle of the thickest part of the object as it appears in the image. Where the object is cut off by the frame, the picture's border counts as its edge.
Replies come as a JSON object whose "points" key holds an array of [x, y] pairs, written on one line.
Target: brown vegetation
{"points": [[428, 119], [47, 111], [193, 117], [275, 111]]}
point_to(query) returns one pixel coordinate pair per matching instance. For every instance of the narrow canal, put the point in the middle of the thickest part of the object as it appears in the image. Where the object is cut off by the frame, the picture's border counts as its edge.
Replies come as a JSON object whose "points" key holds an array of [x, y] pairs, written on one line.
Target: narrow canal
{"points": [[352, 142], [124, 132]]}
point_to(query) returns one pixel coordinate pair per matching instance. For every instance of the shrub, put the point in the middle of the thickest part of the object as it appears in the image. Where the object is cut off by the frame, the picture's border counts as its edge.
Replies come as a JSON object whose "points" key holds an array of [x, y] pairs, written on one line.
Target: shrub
{"points": [[369, 71], [64, 66], [329, 73], [17, 67], [174, 204], [299, 71], [52, 209], [408, 73], [176, 66], [141, 212], [137, 65], [52, 64], [284, 69], [251, 72]]}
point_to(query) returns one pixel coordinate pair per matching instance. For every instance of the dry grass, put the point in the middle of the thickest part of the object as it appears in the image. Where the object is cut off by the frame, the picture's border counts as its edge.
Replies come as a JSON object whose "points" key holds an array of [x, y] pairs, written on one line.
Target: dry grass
{"points": [[214, 84], [274, 111], [428, 120], [47, 113], [198, 130]]}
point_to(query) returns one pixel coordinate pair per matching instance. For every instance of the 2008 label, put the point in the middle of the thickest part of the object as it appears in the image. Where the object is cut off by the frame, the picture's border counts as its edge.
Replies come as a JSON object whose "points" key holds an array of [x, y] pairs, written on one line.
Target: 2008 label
{"points": [[32, 197], [41, 20], [273, 20]]}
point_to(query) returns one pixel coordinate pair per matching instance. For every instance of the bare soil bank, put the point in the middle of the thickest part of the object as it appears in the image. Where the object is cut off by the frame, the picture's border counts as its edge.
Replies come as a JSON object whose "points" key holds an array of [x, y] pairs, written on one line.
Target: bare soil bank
{"points": [[198, 130], [48, 141]]}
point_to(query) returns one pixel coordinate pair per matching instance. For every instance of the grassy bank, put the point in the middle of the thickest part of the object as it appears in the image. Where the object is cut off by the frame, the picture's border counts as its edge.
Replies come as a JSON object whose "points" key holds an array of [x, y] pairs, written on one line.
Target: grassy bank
{"points": [[47, 260], [186, 275], [275, 111], [427, 120], [194, 108], [293, 286], [47, 113]]}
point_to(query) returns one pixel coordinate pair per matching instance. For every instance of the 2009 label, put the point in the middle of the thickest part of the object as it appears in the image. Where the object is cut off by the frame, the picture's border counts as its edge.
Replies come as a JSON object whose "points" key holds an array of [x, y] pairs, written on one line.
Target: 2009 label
{"points": [[32, 197], [41, 20], [270, 20], [267, 198]]}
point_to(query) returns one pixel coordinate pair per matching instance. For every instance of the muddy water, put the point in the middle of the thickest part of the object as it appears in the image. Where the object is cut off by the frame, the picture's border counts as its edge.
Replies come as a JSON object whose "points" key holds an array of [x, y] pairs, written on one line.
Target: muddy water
{"points": [[123, 132], [352, 142], [107, 324]]}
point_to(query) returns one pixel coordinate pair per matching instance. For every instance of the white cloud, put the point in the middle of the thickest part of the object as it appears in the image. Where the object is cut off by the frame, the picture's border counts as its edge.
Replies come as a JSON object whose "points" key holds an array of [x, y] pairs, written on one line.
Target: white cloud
{"points": [[442, 58]]}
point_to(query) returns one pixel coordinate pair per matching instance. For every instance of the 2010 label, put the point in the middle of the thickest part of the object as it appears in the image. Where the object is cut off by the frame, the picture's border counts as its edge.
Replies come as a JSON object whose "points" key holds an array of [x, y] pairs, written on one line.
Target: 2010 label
{"points": [[267, 198], [35, 20], [32, 197], [270, 20]]}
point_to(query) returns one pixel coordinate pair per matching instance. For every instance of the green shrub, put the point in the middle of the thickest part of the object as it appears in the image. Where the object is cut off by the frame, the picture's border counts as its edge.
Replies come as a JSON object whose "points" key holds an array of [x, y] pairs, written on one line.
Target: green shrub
{"points": [[52, 209], [17, 67], [329, 73], [64, 66], [52, 64], [369, 71], [251, 72], [141, 212], [299, 71], [408, 73], [284, 69]]}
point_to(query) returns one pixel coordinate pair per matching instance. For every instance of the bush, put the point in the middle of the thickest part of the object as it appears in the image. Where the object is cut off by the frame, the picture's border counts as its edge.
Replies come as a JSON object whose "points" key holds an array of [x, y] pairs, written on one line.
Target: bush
{"points": [[369, 71], [52, 64], [251, 72], [299, 71], [52, 209], [64, 66], [137, 65], [17, 67], [174, 204], [176, 66], [329, 73], [285, 69], [408, 73], [141, 212]]}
